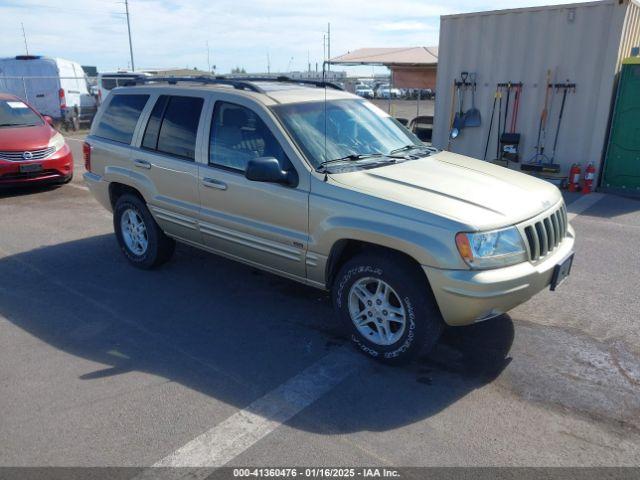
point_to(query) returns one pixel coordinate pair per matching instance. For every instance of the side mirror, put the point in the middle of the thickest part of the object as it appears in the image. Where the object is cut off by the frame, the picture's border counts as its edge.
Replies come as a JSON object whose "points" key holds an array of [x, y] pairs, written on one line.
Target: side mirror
{"points": [[48, 119], [269, 169]]}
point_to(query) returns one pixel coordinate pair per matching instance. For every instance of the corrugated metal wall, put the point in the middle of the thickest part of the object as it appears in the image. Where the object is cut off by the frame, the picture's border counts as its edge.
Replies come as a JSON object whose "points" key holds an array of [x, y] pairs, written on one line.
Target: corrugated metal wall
{"points": [[579, 42]]}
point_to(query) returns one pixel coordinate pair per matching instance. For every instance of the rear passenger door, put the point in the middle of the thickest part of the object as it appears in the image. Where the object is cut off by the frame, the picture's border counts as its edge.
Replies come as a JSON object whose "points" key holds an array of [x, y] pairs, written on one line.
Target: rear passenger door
{"points": [[168, 146], [261, 223]]}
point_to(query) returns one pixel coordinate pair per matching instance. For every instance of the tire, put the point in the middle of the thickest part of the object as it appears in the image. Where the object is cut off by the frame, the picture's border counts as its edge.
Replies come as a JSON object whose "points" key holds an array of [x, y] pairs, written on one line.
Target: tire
{"points": [[408, 292], [148, 249]]}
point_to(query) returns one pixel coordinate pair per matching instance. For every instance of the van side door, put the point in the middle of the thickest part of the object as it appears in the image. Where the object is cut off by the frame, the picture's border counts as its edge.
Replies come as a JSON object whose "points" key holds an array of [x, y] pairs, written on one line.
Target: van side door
{"points": [[264, 224], [166, 156]]}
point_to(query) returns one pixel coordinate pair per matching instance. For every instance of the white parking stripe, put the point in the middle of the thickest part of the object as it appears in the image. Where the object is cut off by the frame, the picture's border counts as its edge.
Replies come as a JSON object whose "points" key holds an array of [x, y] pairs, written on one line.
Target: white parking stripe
{"points": [[576, 208], [237, 433], [81, 187]]}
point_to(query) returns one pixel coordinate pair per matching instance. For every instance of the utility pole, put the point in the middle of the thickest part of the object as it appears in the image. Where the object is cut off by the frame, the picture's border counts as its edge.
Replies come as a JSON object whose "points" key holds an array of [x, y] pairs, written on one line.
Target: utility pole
{"points": [[126, 7], [24, 35], [268, 63], [329, 45], [208, 58]]}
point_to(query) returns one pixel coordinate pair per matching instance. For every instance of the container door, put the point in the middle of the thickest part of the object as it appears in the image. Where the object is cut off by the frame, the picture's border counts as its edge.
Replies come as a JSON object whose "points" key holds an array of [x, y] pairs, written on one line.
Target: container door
{"points": [[622, 170]]}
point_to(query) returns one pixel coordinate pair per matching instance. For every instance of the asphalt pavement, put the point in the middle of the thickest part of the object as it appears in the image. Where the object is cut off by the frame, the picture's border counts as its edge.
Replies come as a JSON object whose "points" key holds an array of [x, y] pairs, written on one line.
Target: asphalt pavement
{"points": [[208, 362]]}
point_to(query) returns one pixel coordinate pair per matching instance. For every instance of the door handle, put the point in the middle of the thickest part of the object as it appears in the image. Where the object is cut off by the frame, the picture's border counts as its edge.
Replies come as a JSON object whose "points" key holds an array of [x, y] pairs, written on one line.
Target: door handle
{"points": [[213, 183], [142, 164]]}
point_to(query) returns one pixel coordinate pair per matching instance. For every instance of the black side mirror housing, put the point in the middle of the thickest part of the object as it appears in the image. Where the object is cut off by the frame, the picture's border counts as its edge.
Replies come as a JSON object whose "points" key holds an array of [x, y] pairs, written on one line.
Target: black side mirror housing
{"points": [[269, 169]]}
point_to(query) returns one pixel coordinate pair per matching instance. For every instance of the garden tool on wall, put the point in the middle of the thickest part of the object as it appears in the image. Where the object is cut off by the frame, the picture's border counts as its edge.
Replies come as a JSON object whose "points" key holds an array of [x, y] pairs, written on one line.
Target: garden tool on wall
{"points": [[472, 116]]}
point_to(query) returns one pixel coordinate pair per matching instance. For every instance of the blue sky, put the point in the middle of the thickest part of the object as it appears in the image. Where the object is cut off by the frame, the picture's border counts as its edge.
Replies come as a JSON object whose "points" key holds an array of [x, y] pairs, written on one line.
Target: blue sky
{"points": [[174, 33]]}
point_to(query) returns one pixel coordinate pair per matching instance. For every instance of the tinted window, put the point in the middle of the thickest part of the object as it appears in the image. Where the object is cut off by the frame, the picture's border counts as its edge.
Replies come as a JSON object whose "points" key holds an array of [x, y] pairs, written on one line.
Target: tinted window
{"points": [[150, 139], [119, 120], [238, 135], [109, 83], [179, 126]]}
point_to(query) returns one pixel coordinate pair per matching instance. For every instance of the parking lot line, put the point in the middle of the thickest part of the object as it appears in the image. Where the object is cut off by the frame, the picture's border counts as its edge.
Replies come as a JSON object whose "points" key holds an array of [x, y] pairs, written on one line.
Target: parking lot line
{"points": [[579, 206], [225, 441], [80, 187]]}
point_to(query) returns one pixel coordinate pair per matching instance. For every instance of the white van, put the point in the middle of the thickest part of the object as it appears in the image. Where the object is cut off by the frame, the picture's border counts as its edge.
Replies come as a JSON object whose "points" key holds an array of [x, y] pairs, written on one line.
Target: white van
{"points": [[110, 80], [53, 86]]}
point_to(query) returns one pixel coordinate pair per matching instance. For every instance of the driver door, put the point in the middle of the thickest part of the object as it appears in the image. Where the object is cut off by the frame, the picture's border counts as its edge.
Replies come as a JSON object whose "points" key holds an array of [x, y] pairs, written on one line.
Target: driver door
{"points": [[264, 224]]}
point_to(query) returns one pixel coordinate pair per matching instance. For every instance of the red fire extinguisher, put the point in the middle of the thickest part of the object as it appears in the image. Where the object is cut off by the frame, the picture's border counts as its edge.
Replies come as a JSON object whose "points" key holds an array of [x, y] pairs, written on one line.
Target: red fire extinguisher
{"points": [[589, 175], [574, 178]]}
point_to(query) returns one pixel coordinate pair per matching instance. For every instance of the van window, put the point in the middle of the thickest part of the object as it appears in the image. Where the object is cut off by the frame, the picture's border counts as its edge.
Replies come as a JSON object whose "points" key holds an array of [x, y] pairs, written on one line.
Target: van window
{"points": [[238, 135], [109, 83], [173, 126], [119, 120]]}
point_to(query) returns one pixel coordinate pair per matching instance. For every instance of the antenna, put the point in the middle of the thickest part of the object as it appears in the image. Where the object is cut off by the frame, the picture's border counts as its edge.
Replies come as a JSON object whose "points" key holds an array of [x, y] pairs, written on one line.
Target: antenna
{"points": [[324, 80], [126, 8], [329, 45], [24, 35]]}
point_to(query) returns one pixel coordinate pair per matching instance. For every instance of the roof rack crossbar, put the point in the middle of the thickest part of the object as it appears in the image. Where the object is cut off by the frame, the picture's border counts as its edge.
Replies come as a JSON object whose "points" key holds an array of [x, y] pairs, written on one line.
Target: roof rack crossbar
{"points": [[238, 84], [285, 79]]}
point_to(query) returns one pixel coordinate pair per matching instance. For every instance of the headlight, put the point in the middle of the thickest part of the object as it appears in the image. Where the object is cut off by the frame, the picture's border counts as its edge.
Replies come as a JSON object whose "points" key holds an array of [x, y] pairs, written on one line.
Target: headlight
{"points": [[497, 248], [57, 141]]}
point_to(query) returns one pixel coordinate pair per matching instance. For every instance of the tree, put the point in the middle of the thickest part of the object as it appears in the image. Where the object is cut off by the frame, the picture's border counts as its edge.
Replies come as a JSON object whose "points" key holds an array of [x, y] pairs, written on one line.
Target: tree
{"points": [[238, 70]]}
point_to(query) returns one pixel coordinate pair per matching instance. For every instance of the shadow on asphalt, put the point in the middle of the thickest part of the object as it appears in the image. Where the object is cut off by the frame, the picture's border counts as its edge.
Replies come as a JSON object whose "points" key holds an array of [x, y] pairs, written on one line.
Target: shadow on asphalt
{"points": [[24, 191], [230, 332]]}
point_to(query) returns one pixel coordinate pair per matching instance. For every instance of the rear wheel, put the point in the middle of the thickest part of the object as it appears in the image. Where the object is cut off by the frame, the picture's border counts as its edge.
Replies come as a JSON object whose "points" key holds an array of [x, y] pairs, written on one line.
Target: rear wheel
{"points": [[385, 303], [140, 238]]}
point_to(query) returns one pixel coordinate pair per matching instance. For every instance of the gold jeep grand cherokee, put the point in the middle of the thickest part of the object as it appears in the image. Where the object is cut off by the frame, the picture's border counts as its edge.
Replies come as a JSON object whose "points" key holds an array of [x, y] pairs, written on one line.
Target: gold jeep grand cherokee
{"points": [[320, 186]]}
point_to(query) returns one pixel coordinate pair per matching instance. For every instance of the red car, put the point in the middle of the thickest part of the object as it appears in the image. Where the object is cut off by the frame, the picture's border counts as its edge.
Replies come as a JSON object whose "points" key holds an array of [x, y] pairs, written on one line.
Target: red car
{"points": [[31, 150]]}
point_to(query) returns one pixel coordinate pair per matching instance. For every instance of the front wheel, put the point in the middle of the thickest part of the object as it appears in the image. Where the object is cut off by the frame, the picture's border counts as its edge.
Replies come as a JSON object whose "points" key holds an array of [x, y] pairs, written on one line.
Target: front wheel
{"points": [[140, 238], [385, 303]]}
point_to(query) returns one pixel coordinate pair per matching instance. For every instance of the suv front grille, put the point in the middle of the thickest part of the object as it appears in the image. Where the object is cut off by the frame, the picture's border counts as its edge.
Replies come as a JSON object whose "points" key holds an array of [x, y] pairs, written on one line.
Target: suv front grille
{"points": [[545, 234], [39, 154]]}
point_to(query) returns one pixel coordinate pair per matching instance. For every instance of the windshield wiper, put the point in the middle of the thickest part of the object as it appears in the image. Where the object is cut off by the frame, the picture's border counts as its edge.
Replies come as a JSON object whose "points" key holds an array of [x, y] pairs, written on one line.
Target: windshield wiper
{"points": [[347, 158], [407, 148], [14, 125]]}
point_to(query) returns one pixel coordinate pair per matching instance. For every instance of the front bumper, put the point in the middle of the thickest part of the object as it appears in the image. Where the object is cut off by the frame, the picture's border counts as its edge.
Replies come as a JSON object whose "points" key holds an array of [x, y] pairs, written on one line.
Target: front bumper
{"points": [[57, 168], [468, 296]]}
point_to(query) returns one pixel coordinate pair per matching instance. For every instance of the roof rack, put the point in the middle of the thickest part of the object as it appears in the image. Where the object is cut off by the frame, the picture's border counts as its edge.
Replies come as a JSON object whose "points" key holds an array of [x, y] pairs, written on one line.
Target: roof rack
{"points": [[242, 83], [285, 79]]}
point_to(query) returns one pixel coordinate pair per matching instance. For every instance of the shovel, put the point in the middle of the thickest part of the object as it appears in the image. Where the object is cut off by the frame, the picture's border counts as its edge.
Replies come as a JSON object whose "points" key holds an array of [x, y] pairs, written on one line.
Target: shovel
{"points": [[472, 116], [458, 121]]}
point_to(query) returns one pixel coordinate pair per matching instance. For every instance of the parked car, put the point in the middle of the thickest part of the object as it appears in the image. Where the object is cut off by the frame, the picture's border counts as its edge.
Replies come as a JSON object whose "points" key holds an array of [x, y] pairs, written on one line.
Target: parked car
{"points": [[108, 81], [324, 188], [31, 150], [385, 91], [54, 86], [364, 91]]}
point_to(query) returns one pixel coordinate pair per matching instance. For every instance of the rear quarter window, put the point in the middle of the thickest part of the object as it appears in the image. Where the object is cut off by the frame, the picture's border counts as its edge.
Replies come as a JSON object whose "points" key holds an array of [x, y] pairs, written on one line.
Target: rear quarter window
{"points": [[119, 120]]}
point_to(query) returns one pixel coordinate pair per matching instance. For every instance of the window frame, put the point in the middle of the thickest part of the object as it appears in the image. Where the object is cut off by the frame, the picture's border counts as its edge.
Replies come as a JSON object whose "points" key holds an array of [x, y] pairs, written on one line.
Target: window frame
{"points": [[217, 103]]}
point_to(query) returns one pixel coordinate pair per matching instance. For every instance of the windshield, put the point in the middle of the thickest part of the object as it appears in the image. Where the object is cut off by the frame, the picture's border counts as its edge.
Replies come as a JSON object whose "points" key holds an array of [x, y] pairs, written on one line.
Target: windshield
{"points": [[353, 127], [14, 113]]}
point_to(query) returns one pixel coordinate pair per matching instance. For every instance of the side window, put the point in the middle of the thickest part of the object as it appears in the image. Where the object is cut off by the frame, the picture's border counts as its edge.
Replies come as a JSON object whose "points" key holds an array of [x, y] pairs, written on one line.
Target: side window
{"points": [[119, 120], [150, 139], [238, 135], [173, 126]]}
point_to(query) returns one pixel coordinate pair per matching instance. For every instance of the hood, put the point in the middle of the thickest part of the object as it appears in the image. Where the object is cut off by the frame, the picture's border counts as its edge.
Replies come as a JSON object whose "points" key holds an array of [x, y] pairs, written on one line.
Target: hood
{"points": [[25, 138], [476, 193]]}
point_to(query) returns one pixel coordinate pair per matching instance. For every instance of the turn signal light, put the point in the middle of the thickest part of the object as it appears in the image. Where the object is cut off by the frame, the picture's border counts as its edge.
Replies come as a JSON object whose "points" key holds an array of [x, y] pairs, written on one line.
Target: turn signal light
{"points": [[464, 247]]}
